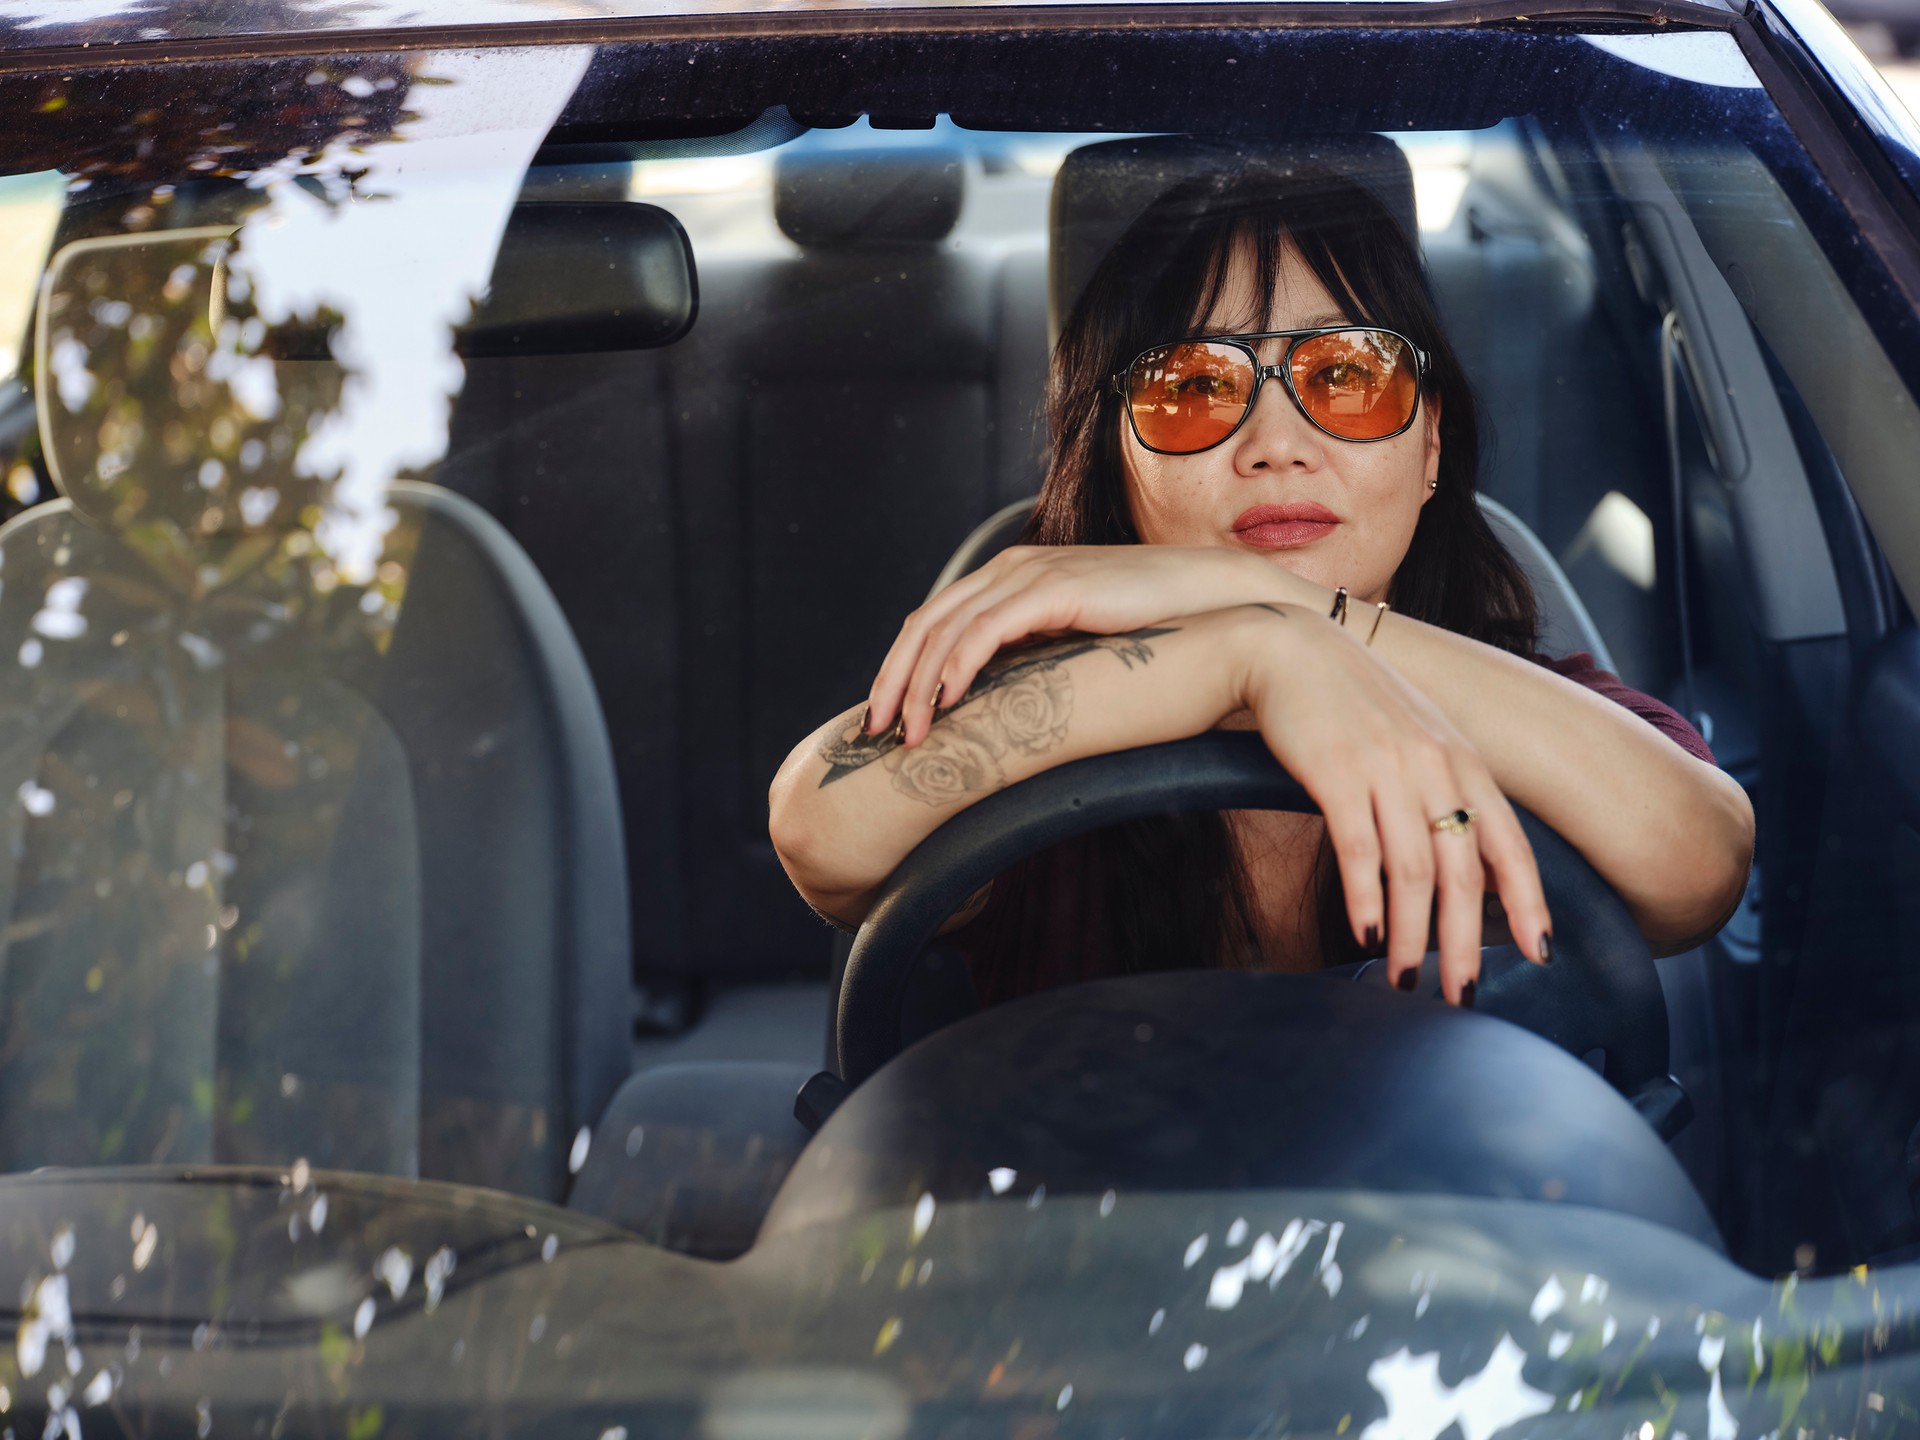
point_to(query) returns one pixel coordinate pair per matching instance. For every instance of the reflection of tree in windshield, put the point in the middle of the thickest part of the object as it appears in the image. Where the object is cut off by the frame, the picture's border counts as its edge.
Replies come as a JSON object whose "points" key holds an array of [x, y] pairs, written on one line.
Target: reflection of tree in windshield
{"points": [[144, 716], [163, 403], [125, 132], [208, 811], [186, 780]]}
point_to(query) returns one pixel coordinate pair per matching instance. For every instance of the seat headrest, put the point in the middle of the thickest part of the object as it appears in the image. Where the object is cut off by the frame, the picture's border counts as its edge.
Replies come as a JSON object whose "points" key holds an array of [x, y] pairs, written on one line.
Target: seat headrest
{"points": [[1102, 189], [868, 197]]}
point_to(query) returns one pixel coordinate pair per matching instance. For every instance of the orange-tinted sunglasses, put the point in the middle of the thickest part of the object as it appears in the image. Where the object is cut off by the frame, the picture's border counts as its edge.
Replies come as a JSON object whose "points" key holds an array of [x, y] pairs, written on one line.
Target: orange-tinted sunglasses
{"points": [[1354, 382]]}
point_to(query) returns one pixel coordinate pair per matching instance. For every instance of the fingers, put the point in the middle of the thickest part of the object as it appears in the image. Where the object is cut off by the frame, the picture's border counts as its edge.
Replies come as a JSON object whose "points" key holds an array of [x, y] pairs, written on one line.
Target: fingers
{"points": [[955, 648], [1509, 863], [1006, 600], [1460, 890], [1410, 867], [892, 683], [1034, 590], [1490, 846], [1383, 770], [1355, 838]]}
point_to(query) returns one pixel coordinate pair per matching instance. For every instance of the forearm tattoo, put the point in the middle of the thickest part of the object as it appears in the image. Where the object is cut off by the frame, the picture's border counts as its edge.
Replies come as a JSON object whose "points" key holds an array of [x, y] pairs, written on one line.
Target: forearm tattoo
{"points": [[1018, 704]]}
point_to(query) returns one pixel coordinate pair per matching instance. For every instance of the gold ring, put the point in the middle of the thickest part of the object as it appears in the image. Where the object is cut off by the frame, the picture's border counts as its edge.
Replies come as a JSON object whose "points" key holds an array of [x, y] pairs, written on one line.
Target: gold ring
{"points": [[1456, 822]]}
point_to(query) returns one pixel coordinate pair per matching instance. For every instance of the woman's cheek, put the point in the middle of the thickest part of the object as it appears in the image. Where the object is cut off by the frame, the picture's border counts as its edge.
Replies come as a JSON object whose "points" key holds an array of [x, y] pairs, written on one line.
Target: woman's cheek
{"points": [[1162, 506]]}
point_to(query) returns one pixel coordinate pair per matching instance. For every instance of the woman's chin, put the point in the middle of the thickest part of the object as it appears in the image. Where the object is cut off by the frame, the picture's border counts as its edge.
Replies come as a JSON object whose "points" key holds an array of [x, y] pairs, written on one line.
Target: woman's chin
{"points": [[1309, 562]]}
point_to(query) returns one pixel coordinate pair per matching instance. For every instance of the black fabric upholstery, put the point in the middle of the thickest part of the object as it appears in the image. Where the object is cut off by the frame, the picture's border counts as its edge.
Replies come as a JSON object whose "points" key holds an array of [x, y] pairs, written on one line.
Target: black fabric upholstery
{"points": [[836, 431], [321, 878], [573, 454], [1102, 189], [787, 478], [525, 938], [827, 198], [691, 1155]]}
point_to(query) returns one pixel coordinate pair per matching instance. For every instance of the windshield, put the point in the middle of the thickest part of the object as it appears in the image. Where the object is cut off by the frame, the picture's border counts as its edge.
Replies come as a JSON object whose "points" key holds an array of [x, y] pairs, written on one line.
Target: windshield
{"points": [[439, 490]]}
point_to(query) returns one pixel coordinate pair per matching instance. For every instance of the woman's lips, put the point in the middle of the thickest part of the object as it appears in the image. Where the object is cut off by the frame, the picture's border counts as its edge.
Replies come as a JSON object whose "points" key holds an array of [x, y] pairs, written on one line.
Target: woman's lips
{"points": [[1284, 527]]}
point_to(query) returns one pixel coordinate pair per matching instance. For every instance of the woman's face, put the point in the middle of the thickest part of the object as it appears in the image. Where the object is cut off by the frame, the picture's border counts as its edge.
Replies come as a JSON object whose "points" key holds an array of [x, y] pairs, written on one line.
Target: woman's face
{"points": [[1332, 511]]}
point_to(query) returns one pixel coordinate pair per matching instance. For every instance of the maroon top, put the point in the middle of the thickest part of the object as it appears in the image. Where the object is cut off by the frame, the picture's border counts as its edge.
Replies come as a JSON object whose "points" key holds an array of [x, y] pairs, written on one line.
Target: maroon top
{"points": [[1047, 921]]}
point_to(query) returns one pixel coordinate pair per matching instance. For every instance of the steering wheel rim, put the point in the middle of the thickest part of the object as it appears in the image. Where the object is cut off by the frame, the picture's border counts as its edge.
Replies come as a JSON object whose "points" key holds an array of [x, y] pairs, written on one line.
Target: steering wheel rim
{"points": [[1602, 993]]}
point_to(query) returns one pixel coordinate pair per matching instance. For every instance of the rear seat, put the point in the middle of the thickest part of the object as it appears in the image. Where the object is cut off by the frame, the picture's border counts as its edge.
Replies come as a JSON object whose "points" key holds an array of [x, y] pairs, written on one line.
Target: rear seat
{"points": [[790, 476], [841, 418]]}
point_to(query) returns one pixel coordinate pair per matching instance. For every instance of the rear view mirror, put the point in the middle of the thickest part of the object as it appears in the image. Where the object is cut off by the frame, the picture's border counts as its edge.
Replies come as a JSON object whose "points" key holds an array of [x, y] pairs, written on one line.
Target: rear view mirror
{"points": [[570, 278], [585, 277]]}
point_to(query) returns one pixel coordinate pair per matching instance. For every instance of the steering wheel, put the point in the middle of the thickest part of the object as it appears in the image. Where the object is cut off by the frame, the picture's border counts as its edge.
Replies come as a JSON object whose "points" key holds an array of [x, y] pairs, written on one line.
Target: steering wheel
{"points": [[1601, 994]]}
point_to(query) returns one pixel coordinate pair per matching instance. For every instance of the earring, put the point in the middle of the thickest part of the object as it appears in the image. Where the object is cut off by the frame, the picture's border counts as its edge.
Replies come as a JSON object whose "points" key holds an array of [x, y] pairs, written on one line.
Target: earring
{"points": [[1433, 484]]}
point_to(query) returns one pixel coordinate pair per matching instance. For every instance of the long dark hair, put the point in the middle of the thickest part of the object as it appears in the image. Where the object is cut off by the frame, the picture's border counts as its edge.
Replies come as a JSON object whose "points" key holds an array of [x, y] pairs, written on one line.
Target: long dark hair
{"points": [[1178, 878]]}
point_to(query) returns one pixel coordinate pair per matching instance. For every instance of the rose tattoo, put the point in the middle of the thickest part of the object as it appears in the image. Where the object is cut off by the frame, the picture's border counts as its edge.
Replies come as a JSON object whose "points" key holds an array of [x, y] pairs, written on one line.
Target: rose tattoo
{"points": [[1019, 703]]}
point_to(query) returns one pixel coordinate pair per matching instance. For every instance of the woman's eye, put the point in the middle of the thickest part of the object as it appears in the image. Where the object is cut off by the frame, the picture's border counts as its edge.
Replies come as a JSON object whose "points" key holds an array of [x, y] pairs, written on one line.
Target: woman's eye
{"points": [[1342, 375], [1203, 387]]}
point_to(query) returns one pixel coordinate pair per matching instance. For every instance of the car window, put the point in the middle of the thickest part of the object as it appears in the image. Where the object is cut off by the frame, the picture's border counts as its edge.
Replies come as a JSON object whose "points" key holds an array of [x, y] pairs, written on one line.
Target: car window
{"points": [[441, 486]]}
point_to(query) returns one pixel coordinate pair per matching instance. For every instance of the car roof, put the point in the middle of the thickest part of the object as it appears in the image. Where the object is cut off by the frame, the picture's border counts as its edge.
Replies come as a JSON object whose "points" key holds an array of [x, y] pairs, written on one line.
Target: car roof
{"points": [[45, 25]]}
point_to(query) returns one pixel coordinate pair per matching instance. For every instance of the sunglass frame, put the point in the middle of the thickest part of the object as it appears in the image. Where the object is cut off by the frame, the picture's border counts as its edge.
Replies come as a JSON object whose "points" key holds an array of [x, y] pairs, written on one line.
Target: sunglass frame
{"points": [[1281, 372]]}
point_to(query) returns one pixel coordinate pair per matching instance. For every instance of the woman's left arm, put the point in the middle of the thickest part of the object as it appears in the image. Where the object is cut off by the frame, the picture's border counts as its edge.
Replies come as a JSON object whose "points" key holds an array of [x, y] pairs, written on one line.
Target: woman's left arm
{"points": [[1670, 832]]}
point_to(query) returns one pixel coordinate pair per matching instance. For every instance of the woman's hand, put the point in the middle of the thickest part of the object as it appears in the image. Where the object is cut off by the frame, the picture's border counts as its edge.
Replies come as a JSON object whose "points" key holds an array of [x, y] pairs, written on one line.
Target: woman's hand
{"points": [[1046, 590], [1383, 763]]}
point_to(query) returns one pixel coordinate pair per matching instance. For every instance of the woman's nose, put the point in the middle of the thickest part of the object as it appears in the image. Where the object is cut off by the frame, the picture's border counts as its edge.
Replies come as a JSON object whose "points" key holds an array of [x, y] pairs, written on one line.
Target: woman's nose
{"points": [[1277, 436]]}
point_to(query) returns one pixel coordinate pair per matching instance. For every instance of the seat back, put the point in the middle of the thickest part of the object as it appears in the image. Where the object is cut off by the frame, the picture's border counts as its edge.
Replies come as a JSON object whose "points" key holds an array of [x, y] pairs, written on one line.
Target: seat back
{"points": [[848, 399], [297, 876]]}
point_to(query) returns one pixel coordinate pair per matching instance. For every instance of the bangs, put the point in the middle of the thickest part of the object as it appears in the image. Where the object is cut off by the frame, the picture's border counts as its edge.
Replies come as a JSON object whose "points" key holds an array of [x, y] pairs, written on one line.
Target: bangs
{"points": [[1264, 229]]}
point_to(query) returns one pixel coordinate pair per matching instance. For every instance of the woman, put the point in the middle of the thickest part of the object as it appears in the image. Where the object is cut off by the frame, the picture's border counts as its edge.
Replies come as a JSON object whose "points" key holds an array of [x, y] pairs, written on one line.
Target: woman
{"points": [[1275, 529]]}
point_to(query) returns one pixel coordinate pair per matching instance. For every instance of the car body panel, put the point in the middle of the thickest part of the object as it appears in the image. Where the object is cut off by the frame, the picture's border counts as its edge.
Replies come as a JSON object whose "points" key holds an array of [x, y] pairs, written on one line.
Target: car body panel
{"points": [[1170, 1314], [1828, 53], [37, 25]]}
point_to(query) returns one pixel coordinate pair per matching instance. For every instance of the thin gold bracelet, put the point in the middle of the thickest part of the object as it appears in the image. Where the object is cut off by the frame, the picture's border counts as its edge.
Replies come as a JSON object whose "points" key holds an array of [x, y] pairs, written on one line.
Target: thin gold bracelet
{"points": [[1379, 613], [1339, 611]]}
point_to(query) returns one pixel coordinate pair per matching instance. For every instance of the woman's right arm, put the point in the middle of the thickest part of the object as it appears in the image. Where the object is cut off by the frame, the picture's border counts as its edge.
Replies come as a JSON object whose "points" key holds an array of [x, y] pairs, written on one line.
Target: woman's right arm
{"points": [[1374, 754], [847, 807]]}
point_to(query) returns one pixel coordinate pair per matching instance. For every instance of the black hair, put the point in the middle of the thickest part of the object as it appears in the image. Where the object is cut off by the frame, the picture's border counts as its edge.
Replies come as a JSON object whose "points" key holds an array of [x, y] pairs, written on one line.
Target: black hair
{"points": [[1183, 886]]}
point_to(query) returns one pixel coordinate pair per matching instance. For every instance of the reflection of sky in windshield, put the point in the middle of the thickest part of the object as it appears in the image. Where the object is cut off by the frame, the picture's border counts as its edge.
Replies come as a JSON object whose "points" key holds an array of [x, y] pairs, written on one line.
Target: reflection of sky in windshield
{"points": [[162, 18], [29, 211], [1703, 58], [401, 250]]}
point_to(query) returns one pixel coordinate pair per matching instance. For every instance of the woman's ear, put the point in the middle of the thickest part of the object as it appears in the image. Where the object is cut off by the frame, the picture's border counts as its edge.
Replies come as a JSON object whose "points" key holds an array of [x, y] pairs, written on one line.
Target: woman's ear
{"points": [[1430, 475]]}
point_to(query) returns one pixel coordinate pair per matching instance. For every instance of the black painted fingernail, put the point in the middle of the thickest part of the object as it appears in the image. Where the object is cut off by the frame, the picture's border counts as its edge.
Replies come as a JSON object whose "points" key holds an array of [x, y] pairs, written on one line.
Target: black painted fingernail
{"points": [[1409, 977], [866, 720], [938, 691], [1372, 938], [1546, 948], [1467, 992]]}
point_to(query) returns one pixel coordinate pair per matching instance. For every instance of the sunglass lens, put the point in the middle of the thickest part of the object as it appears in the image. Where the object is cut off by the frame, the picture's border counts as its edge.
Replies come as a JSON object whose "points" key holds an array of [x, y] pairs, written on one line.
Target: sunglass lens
{"points": [[1187, 397], [1357, 384]]}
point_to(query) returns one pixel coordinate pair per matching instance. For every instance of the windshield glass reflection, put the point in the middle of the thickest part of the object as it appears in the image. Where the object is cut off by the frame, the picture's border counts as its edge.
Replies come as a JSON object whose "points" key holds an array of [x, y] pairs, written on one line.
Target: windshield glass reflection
{"points": [[238, 363]]}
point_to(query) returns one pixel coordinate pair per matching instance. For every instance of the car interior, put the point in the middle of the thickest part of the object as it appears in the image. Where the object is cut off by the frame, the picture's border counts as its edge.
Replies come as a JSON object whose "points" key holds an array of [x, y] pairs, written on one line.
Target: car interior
{"points": [[700, 525]]}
